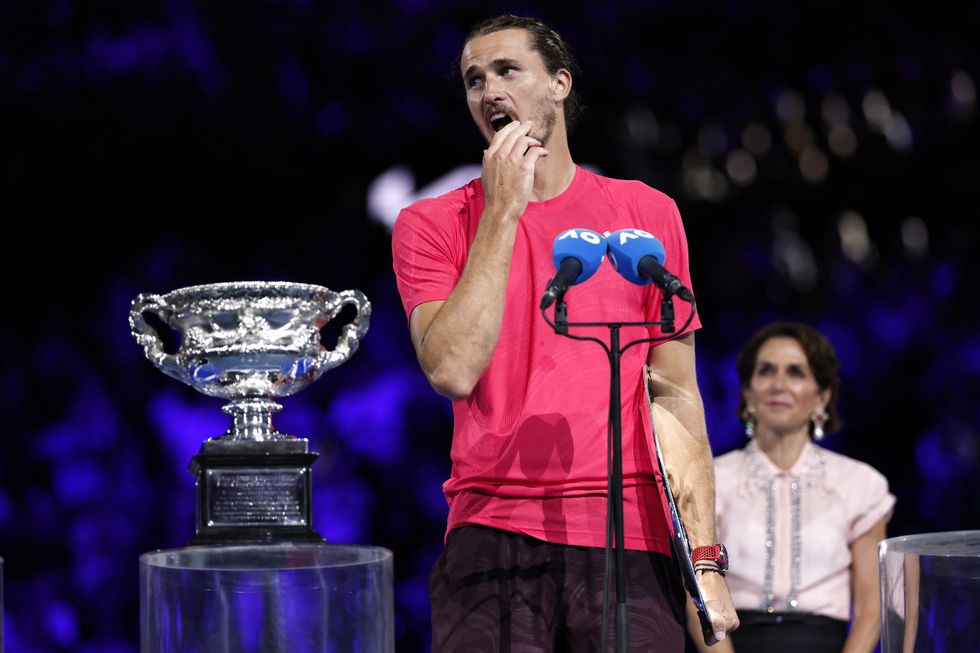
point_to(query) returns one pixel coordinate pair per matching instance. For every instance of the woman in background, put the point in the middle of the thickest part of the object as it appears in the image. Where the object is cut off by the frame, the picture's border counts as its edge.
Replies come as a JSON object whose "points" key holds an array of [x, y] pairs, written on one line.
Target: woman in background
{"points": [[802, 524]]}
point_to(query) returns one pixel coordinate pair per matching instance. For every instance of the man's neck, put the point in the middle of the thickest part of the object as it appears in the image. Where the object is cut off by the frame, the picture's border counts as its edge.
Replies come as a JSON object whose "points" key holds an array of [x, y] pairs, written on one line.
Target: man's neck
{"points": [[554, 173]]}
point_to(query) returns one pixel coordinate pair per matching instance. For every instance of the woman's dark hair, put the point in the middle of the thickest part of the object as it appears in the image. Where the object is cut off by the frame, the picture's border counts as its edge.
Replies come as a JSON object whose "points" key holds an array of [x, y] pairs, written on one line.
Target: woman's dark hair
{"points": [[820, 355], [546, 41]]}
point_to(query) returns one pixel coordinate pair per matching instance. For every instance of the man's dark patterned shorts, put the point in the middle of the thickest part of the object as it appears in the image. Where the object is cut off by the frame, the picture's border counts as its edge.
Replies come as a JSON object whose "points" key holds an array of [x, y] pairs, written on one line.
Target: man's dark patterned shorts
{"points": [[500, 592]]}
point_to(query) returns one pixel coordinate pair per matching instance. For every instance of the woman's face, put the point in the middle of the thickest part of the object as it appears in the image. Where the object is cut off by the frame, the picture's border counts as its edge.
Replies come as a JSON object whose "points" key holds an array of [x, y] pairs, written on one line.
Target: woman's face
{"points": [[782, 392]]}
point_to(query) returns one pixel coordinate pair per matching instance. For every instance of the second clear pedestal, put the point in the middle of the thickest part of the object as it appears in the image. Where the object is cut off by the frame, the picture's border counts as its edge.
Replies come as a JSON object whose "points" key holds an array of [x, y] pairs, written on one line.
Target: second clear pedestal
{"points": [[930, 593], [282, 598]]}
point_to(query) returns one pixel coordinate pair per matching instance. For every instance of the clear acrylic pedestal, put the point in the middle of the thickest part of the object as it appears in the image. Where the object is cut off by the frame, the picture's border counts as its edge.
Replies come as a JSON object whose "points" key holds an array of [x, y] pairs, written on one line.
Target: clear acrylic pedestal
{"points": [[267, 598], [930, 593]]}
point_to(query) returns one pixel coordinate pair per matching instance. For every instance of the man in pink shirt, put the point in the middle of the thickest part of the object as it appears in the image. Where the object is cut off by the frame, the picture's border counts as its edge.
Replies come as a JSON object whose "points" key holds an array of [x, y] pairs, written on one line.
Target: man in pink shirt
{"points": [[522, 568]]}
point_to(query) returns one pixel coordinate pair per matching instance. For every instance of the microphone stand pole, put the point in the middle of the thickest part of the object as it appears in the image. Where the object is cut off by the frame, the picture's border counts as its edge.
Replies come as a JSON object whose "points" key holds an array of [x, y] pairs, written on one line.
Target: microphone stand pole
{"points": [[615, 489]]}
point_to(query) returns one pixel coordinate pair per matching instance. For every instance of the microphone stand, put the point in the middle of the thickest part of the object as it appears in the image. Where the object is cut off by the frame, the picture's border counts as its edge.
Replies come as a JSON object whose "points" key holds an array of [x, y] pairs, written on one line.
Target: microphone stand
{"points": [[614, 494]]}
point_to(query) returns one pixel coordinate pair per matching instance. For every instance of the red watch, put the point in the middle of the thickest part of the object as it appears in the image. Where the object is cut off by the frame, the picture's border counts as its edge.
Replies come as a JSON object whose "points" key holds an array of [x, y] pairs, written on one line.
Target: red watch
{"points": [[716, 553]]}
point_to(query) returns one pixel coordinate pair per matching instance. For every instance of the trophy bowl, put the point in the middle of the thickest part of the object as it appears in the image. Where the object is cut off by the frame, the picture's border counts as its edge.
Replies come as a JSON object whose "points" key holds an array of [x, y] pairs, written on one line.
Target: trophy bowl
{"points": [[249, 342], [249, 339]]}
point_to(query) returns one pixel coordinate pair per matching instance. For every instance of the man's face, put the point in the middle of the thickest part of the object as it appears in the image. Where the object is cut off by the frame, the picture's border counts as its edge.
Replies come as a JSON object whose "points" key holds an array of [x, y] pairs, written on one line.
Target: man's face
{"points": [[506, 80]]}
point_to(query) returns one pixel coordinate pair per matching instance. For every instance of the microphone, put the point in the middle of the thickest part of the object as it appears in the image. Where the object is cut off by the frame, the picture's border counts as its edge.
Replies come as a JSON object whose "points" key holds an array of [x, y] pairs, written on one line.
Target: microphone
{"points": [[577, 254], [639, 257]]}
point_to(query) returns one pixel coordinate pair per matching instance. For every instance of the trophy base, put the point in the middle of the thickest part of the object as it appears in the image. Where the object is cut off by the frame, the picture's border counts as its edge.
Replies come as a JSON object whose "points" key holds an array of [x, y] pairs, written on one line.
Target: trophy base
{"points": [[252, 491], [254, 535]]}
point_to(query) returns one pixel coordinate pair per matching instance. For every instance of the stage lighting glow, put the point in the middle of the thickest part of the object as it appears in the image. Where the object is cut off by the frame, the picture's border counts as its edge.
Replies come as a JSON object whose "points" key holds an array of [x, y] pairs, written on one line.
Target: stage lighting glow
{"points": [[343, 508], [394, 189], [376, 408], [835, 110], [756, 139], [712, 140], [962, 88], [5, 508], [798, 137], [915, 236], [182, 424], [854, 239], [813, 164], [642, 126], [331, 119], [61, 620], [740, 166], [790, 106], [877, 110], [842, 141], [792, 255], [899, 132], [701, 181]]}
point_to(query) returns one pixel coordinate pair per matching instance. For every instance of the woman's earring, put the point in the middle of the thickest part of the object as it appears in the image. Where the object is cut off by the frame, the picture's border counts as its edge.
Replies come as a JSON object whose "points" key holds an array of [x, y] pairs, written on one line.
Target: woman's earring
{"points": [[748, 418], [818, 418]]}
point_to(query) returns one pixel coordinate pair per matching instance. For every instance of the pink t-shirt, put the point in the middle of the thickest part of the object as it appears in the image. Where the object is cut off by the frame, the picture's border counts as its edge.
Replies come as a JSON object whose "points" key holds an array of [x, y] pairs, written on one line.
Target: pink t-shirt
{"points": [[529, 443], [820, 505]]}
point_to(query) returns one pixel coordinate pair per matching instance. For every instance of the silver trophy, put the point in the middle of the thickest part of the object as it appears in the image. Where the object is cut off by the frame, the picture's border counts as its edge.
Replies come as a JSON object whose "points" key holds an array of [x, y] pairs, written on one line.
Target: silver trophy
{"points": [[250, 343]]}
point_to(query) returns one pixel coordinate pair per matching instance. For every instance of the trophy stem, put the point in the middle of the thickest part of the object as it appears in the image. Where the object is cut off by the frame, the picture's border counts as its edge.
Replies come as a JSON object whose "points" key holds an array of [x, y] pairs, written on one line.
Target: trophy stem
{"points": [[252, 419], [253, 482]]}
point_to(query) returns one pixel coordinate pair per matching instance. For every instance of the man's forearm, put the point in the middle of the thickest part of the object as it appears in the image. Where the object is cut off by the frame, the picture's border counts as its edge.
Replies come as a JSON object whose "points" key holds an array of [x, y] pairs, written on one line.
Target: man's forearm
{"points": [[678, 415], [455, 339], [687, 456], [459, 341]]}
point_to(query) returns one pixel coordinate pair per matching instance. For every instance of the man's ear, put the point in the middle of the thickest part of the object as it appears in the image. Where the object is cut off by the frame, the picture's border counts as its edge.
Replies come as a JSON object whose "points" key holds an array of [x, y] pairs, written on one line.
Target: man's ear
{"points": [[561, 84]]}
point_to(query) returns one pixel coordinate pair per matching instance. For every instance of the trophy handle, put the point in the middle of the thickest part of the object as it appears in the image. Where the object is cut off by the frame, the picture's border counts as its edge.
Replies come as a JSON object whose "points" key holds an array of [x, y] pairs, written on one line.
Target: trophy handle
{"points": [[149, 339], [351, 334]]}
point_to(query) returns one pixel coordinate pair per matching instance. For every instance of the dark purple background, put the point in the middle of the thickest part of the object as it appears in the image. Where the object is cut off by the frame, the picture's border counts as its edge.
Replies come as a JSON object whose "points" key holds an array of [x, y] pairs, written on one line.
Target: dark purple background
{"points": [[150, 145]]}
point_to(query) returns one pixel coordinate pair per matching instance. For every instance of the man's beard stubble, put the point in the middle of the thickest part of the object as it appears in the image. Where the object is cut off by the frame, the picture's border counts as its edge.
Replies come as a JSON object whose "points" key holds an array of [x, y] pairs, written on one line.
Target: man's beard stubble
{"points": [[544, 122]]}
